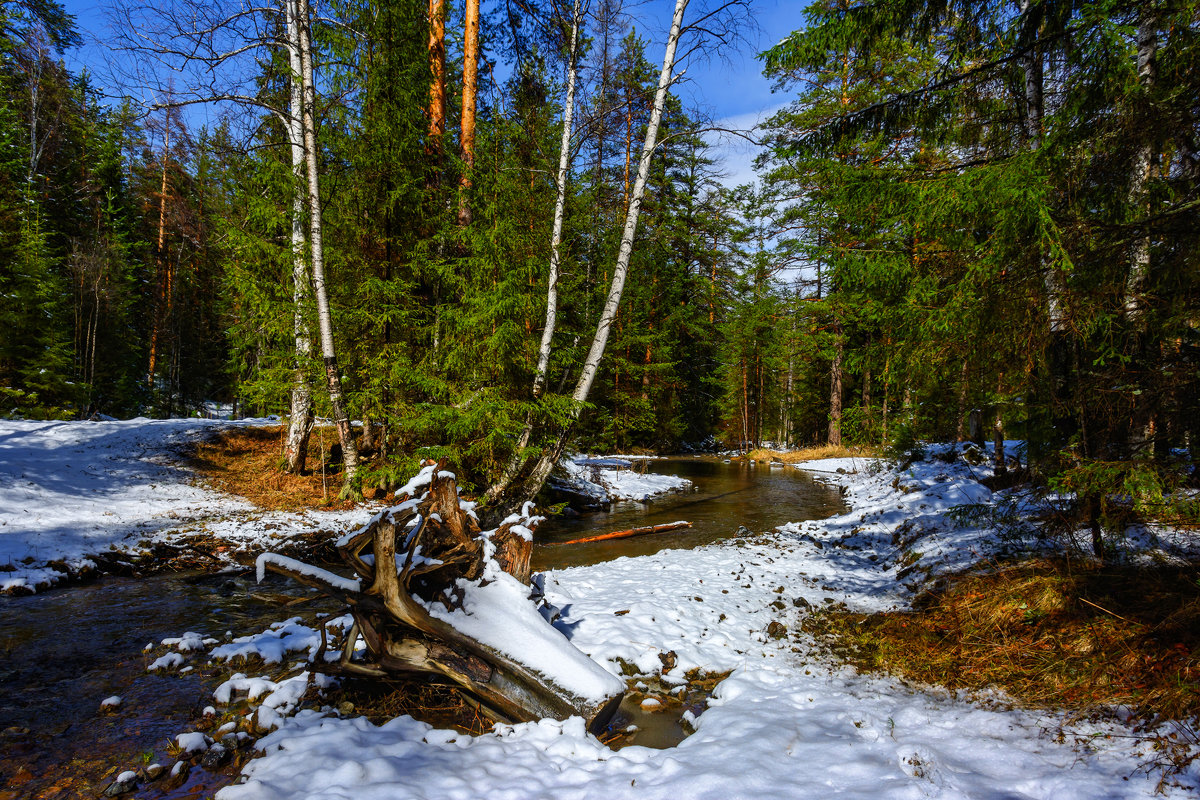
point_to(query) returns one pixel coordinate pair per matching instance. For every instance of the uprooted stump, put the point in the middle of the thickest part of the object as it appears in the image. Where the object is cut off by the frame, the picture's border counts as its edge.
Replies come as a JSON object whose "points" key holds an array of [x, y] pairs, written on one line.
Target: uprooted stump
{"points": [[436, 595]]}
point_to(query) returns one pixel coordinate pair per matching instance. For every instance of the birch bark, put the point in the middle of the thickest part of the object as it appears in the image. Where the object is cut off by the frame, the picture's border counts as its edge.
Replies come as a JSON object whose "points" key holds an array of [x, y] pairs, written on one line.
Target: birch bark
{"points": [[600, 341], [300, 419], [324, 320]]}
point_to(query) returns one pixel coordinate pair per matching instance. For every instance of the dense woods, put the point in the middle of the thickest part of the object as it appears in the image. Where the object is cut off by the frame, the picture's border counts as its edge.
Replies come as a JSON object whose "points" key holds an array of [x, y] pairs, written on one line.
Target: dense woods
{"points": [[972, 220]]}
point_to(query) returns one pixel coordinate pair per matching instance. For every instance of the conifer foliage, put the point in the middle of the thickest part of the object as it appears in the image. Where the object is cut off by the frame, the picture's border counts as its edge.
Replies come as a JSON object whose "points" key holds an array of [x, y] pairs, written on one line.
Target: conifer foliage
{"points": [[488, 232]]}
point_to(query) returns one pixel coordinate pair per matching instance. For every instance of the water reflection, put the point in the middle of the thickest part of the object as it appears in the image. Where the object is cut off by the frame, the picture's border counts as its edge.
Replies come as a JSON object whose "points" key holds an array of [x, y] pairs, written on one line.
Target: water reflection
{"points": [[724, 498]]}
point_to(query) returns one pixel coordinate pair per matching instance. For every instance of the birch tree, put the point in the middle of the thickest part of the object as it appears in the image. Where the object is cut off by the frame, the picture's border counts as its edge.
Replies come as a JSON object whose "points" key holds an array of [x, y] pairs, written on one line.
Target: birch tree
{"points": [[591, 364], [216, 49]]}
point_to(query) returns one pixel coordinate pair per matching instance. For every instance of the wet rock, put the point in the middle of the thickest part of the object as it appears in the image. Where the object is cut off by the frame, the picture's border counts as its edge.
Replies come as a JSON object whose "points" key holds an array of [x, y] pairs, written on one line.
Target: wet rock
{"points": [[154, 772], [179, 774], [125, 783], [215, 757], [668, 660], [110, 704], [743, 531]]}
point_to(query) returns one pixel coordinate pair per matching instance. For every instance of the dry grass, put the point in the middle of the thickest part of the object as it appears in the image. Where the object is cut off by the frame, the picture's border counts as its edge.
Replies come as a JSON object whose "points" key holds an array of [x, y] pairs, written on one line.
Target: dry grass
{"points": [[247, 462], [810, 454], [1048, 633], [438, 704]]}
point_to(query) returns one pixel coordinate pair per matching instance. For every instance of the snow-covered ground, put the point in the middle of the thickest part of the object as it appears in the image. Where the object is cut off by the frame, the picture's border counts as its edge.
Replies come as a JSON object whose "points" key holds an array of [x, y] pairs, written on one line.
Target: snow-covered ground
{"points": [[611, 478], [69, 490], [785, 723]]}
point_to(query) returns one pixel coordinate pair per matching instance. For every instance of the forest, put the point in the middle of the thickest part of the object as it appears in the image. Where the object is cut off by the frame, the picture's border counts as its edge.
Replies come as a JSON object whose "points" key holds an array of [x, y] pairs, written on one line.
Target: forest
{"points": [[492, 233]]}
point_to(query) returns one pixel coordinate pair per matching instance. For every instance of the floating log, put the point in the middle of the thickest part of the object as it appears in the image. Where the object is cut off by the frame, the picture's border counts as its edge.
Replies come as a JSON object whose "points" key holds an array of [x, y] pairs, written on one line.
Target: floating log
{"points": [[436, 595], [666, 526]]}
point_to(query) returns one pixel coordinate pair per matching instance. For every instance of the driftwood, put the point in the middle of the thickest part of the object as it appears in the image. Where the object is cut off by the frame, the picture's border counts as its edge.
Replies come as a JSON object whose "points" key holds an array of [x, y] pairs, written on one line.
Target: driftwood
{"points": [[437, 596], [666, 526]]}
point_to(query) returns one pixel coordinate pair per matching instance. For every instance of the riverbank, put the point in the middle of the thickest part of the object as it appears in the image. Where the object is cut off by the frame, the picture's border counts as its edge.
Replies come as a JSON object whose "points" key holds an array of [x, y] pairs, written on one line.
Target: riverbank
{"points": [[790, 719], [126, 497]]}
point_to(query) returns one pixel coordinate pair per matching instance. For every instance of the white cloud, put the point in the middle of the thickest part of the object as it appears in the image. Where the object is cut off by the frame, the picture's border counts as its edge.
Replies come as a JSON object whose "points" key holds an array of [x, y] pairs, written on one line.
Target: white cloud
{"points": [[735, 153]]}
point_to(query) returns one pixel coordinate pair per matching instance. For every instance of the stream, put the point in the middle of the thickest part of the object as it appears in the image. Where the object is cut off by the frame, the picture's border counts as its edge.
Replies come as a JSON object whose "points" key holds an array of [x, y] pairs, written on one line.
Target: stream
{"points": [[64, 651]]}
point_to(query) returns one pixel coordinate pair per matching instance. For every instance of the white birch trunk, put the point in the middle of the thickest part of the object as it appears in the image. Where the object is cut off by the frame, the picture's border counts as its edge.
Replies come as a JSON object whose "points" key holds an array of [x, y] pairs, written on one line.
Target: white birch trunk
{"points": [[300, 420], [324, 320], [518, 460], [560, 204], [600, 341]]}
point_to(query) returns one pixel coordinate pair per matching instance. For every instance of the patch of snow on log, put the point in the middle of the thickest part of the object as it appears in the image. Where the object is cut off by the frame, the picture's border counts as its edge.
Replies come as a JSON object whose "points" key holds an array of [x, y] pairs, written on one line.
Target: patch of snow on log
{"points": [[337, 581]]}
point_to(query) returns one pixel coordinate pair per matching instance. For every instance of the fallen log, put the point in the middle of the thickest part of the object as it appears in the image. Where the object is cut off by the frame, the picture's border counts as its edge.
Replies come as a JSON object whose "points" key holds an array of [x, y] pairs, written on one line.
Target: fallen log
{"points": [[436, 595], [666, 526]]}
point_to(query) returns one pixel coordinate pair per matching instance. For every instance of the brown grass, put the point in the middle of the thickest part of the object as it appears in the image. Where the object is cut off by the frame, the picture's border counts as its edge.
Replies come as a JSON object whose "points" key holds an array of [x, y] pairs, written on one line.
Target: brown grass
{"points": [[247, 462], [810, 454], [1049, 633]]}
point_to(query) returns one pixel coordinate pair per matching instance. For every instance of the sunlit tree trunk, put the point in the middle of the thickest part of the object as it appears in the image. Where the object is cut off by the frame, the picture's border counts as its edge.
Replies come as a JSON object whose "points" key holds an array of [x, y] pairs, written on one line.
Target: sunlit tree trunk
{"points": [[1139, 267], [300, 419], [560, 205], [620, 271], [324, 320], [469, 93]]}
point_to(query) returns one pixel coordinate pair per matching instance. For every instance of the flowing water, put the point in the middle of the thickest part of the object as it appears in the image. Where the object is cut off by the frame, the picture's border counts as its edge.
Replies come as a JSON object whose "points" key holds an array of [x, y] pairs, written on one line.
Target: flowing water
{"points": [[64, 651], [724, 498]]}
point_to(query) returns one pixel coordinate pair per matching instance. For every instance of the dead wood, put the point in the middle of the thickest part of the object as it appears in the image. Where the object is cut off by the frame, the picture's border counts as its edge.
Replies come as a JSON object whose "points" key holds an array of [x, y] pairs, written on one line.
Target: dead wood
{"points": [[625, 534], [416, 564]]}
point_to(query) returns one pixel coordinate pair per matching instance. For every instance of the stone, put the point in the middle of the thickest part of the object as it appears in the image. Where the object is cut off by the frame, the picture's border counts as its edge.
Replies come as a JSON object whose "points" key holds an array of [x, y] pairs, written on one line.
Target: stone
{"points": [[215, 757], [776, 630], [125, 783], [178, 776]]}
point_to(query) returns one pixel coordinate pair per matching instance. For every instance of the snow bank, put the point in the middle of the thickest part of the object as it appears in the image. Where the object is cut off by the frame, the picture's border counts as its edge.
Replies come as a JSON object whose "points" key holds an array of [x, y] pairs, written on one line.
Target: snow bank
{"points": [[611, 478], [72, 489]]}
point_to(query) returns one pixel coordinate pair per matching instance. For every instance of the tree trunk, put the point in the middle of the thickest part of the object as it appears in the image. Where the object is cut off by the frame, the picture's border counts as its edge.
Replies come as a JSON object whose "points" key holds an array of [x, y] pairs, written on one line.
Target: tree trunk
{"points": [[518, 459], [1139, 267], [592, 363], [437, 68], [835, 391], [451, 613], [300, 418], [469, 93], [161, 264], [324, 320]]}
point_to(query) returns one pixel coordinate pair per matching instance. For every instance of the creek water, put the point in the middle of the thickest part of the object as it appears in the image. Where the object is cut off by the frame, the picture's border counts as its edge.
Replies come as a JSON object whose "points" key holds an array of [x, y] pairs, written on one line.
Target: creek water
{"points": [[724, 497], [64, 651]]}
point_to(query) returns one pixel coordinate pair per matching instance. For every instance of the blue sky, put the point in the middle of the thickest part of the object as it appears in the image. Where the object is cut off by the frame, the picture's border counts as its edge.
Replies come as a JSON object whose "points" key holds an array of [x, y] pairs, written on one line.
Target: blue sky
{"points": [[730, 89]]}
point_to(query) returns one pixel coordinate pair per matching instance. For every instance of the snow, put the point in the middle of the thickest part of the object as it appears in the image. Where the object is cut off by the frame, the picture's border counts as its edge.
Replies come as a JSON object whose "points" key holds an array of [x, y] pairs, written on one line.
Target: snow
{"points": [[497, 612], [604, 479], [786, 722], [192, 742], [324, 575], [276, 643], [69, 490]]}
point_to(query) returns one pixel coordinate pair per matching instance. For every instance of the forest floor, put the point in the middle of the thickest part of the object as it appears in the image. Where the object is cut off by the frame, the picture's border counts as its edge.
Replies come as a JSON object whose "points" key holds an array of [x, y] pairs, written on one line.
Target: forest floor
{"points": [[813, 660]]}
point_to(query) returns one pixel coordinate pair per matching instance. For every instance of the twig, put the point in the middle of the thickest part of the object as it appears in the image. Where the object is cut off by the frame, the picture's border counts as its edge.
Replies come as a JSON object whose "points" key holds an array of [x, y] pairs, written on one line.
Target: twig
{"points": [[1106, 611]]}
